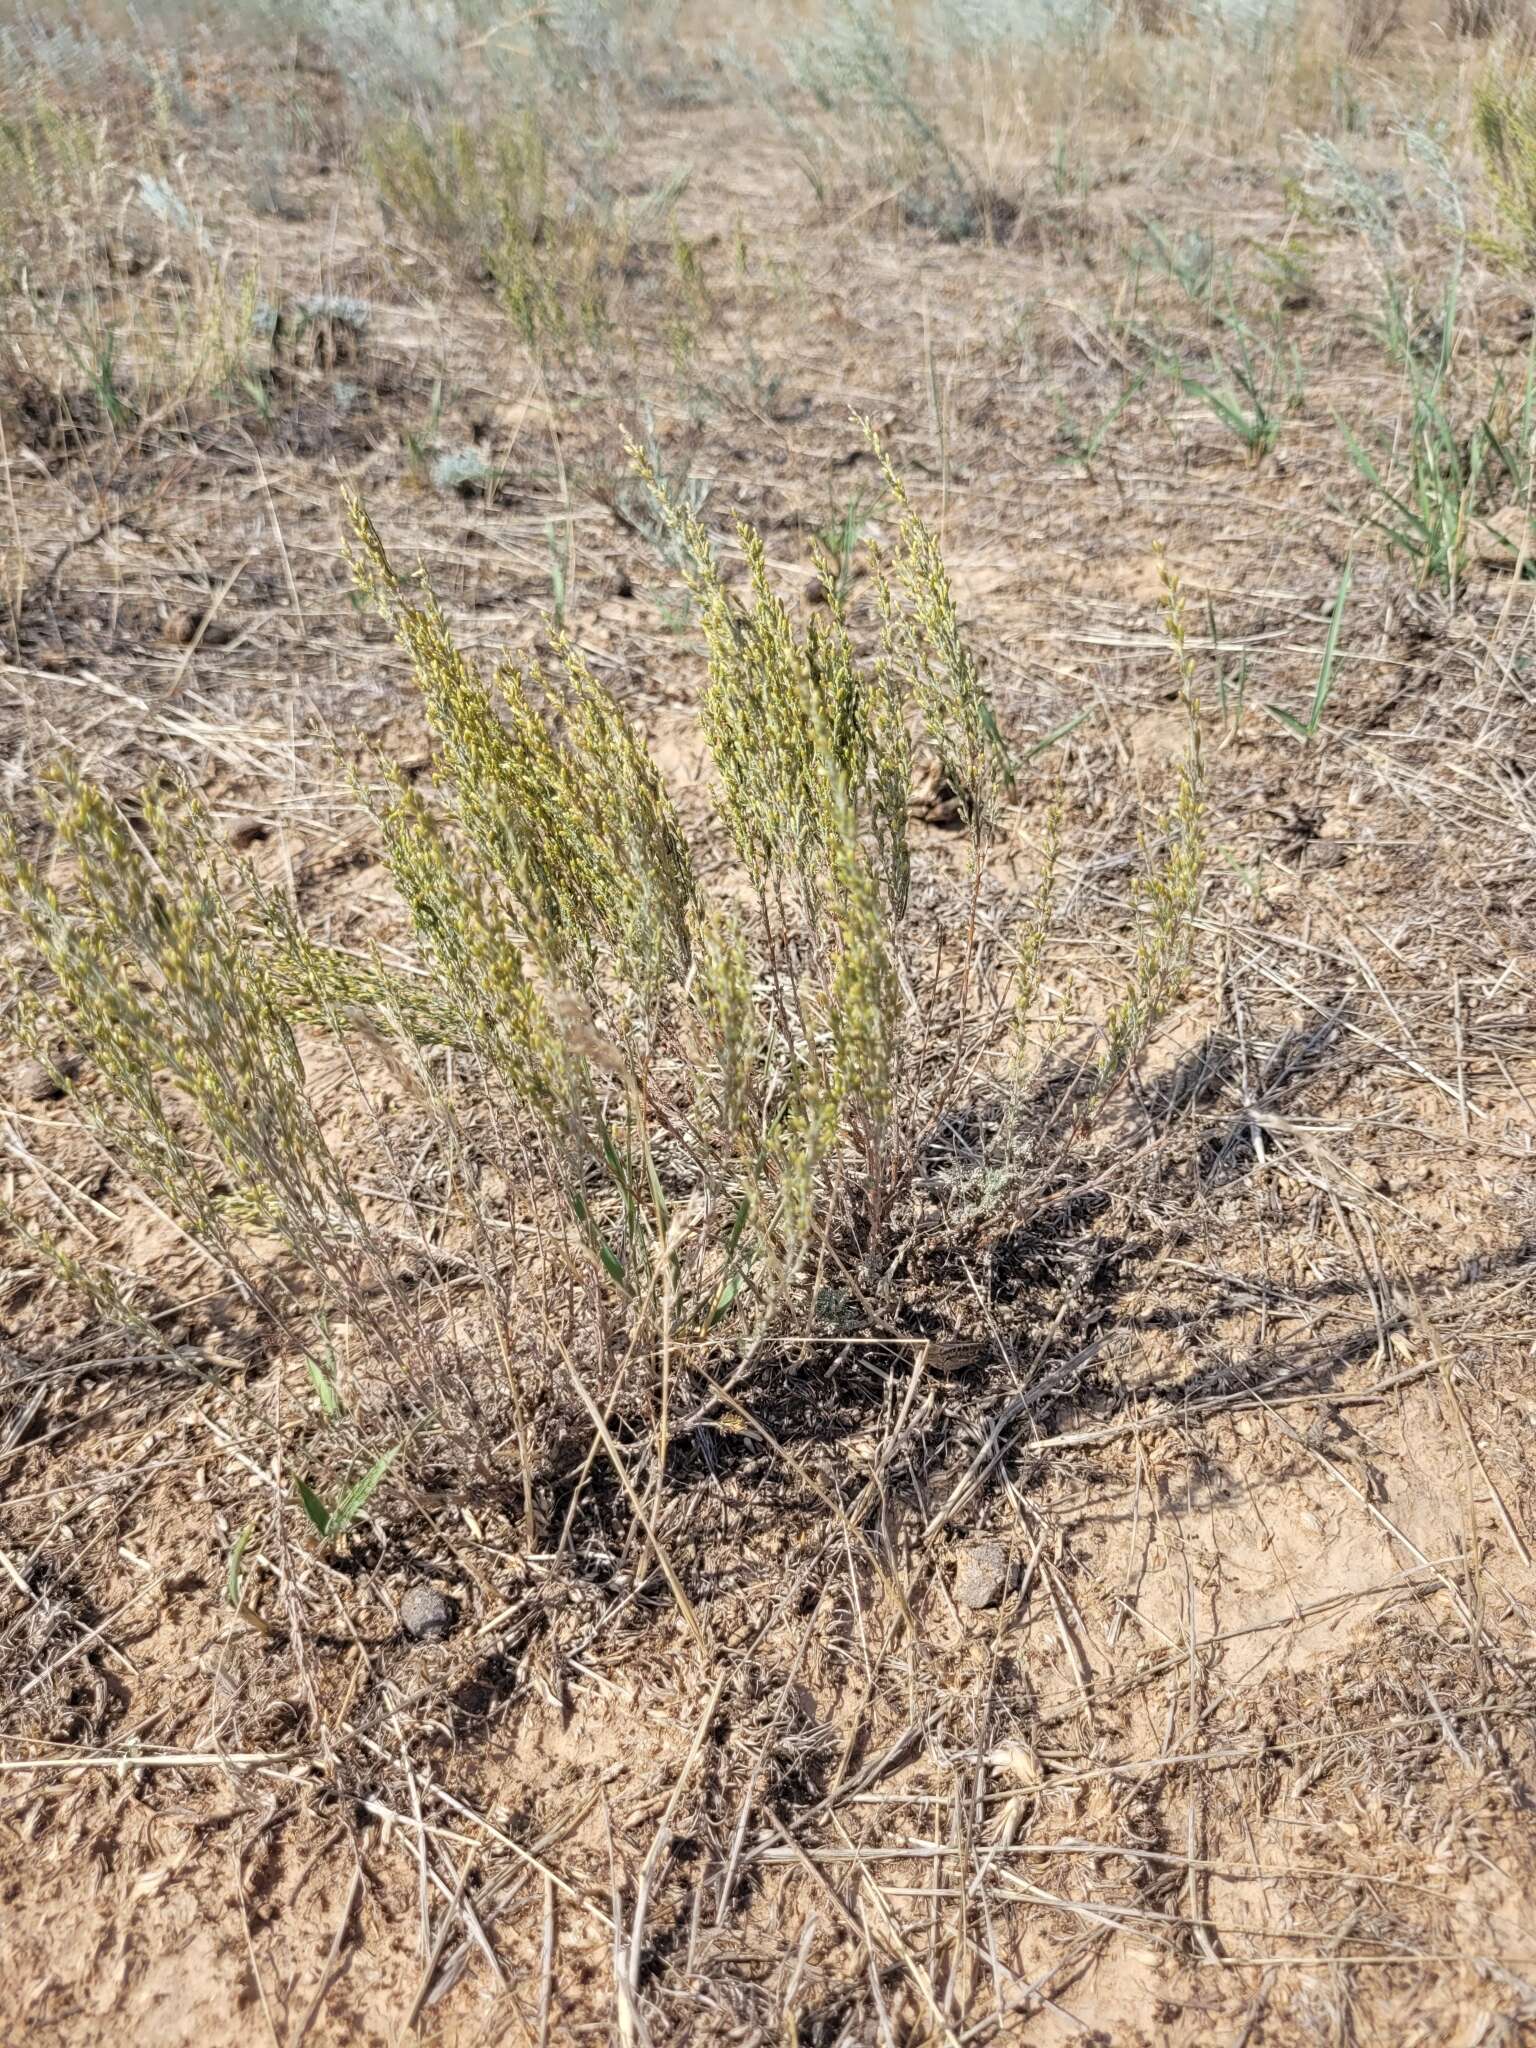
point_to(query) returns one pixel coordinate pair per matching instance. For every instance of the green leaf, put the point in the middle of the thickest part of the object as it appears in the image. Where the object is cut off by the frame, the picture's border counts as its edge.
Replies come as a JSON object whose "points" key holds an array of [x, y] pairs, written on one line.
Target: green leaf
{"points": [[1331, 647], [736, 1276], [325, 1388], [613, 1265], [1324, 689], [237, 1552], [733, 1285], [315, 1507], [616, 1166], [738, 1225], [352, 1503], [1292, 725], [1056, 734]]}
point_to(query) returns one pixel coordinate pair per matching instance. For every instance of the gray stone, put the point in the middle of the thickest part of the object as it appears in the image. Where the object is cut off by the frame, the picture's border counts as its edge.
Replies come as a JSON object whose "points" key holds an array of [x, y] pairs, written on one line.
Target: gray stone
{"points": [[42, 1081], [981, 1575], [425, 1614]]}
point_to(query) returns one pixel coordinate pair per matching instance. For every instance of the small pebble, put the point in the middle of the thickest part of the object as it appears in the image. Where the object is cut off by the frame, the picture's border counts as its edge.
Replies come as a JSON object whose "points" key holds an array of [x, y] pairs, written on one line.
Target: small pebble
{"points": [[425, 1614], [37, 1081], [981, 1574]]}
